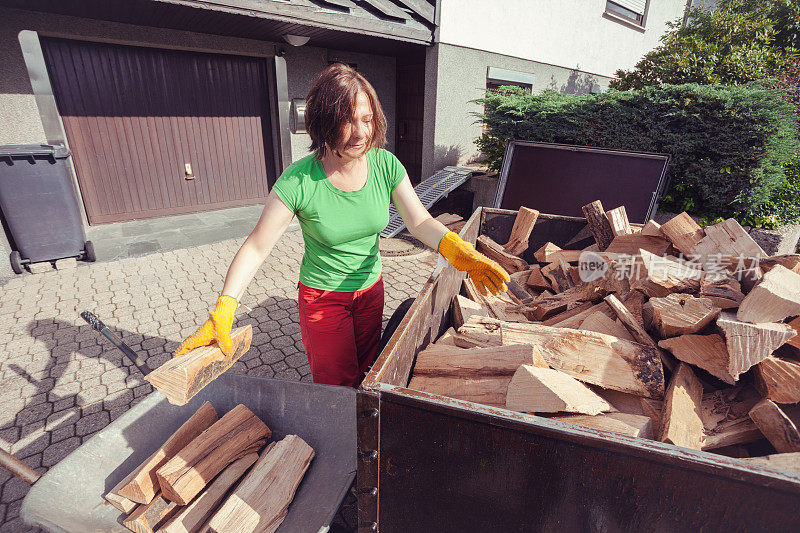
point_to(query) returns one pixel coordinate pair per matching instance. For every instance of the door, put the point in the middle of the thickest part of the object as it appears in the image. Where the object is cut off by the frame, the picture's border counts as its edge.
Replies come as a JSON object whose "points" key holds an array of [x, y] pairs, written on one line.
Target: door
{"points": [[159, 132], [410, 114]]}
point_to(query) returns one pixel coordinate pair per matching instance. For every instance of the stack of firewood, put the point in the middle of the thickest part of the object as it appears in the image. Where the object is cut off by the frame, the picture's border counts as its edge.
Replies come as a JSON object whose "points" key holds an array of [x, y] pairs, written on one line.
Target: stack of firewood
{"points": [[214, 474], [672, 332]]}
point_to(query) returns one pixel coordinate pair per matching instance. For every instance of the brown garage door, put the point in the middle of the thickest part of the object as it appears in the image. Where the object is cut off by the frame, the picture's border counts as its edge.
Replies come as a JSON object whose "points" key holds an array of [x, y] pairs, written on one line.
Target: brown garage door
{"points": [[135, 117]]}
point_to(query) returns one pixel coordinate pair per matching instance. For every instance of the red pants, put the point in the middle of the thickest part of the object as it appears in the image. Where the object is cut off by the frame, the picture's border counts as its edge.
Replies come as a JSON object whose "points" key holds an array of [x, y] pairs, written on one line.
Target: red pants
{"points": [[341, 331]]}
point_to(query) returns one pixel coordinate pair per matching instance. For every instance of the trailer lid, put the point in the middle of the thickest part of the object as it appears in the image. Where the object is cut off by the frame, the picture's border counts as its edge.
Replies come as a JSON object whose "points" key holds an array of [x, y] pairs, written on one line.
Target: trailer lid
{"points": [[561, 178]]}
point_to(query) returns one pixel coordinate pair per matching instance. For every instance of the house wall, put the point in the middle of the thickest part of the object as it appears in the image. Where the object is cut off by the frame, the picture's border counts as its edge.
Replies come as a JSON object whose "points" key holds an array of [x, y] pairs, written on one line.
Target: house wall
{"points": [[570, 33], [20, 121], [455, 76]]}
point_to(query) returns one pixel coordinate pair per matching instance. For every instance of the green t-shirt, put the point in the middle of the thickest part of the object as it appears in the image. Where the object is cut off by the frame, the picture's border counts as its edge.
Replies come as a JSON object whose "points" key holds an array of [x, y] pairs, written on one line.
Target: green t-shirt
{"points": [[340, 228]]}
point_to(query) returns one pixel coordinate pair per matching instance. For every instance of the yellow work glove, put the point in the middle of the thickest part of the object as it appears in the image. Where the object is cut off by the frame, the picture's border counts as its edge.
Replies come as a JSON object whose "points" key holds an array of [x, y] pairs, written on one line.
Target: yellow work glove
{"points": [[217, 328], [485, 273]]}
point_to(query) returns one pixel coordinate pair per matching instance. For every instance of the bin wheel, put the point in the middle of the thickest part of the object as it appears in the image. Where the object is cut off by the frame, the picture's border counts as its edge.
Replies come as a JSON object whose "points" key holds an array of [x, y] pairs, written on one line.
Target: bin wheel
{"points": [[89, 248], [391, 326], [16, 262]]}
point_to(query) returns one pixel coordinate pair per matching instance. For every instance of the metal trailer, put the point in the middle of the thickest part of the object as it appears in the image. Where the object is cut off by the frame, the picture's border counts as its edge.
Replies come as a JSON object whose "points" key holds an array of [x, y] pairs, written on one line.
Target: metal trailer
{"points": [[69, 497], [431, 463]]}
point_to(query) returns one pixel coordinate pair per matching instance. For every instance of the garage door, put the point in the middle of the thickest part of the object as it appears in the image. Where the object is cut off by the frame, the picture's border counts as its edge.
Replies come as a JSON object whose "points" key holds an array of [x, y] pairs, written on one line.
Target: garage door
{"points": [[158, 132]]}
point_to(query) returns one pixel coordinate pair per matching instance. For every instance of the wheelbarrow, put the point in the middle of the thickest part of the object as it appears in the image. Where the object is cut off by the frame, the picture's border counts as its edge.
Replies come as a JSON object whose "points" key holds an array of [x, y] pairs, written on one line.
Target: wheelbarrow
{"points": [[69, 497]]}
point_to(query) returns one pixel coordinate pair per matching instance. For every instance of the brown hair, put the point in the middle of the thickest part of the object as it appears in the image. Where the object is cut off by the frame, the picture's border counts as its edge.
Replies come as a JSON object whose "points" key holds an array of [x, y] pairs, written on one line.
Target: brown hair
{"points": [[331, 103]]}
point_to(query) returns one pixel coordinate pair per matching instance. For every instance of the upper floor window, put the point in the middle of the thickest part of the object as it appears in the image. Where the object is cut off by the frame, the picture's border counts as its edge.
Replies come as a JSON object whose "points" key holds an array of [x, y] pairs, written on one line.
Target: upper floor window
{"points": [[629, 10]]}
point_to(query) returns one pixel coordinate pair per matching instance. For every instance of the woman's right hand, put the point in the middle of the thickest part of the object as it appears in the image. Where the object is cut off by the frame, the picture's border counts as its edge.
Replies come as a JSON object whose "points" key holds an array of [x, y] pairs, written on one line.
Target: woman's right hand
{"points": [[216, 328]]}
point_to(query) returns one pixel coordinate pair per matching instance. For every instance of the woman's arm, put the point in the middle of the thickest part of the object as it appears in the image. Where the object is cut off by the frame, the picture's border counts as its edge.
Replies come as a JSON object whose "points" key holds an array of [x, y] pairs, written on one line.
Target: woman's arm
{"points": [[274, 220], [418, 221]]}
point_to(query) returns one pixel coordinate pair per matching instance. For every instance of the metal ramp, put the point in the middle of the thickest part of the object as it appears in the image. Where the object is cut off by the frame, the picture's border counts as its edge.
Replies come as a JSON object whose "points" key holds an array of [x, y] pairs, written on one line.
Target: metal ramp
{"points": [[429, 192]]}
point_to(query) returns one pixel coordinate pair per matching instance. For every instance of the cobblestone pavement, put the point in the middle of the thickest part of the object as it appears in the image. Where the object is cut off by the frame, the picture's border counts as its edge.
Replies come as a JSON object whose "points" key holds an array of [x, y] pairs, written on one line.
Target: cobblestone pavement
{"points": [[61, 382]]}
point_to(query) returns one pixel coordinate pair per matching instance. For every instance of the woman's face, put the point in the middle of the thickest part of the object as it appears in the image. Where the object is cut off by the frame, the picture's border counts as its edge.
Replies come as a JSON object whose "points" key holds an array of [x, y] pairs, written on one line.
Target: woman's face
{"points": [[357, 133]]}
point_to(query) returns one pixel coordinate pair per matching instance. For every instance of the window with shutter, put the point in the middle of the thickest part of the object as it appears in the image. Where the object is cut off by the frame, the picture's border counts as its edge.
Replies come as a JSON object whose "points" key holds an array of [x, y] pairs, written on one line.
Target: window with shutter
{"points": [[630, 10]]}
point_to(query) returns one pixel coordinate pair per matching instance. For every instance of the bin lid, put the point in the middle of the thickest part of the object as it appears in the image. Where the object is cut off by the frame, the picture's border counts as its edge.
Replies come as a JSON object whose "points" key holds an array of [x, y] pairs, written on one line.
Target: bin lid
{"points": [[561, 178], [57, 151]]}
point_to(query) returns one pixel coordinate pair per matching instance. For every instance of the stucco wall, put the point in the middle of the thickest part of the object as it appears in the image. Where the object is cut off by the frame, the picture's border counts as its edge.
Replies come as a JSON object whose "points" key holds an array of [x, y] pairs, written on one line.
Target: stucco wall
{"points": [[570, 33], [455, 75]]}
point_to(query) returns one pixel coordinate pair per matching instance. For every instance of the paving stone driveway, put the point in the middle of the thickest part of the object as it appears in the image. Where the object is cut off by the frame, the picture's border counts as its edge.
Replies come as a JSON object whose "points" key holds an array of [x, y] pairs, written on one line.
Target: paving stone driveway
{"points": [[61, 382]]}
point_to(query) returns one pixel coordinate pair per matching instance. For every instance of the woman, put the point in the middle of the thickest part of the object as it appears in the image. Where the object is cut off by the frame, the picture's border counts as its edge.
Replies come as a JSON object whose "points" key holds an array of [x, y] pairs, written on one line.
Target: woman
{"points": [[340, 194]]}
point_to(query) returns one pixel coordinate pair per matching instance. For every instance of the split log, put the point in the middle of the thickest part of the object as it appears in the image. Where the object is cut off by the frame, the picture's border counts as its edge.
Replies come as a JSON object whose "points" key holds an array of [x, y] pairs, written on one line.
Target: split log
{"points": [[558, 276], [486, 390], [567, 256], [630, 403], [724, 293], [683, 232], [634, 302], [504, 307], [678, 314], [191, 517], [573, 318], [779, 430], [261, 501], [231, 437], [593, 357], [543, 390], [599, 225], [618, 218], [795, 340], [447, 338], [749, 344], [480, 332], [521, 231], [543, 254], [733, 432], [537, 281], [635, 329], [631, 244], [777, 296], [790, 261], [463, 308], [602, 323], [705, 351], [151, 516], [652, 229], [778, 379], [451, 361], [492, 250], [782, 461], [660, 276], [180, 378], [120, 502], [141, 485], [622, 423], [681, 421], [725, 238]]}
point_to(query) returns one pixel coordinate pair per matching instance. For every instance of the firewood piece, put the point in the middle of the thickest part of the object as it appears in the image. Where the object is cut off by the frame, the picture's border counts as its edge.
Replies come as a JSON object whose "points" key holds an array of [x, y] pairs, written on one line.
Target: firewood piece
{"points": [[490, 390], [739, 431], [463, 308], [779, 430], [599, 224], [778, 379], [593, 357], [622, 423], [261, 501], [537, 281], [683, 232], [631, 244], [451, 361], [749, 344], [543, 390], [180, 378], [628, 403], [635, 329], [661, 276], [482, 331], [652, 229], [504, 307], [558, 275], [777, 296], [572, 318], [795, 340], [705, 351], [727, 238], [681, 420], [547, 249], [724, 293], [150, 517], [567, 256], [521, 231], [193, 516], [141, 485], [678, 314], [634, 302], [790, 261], [185, 474], [602, 323], [492, 250], [447, 338], [782, 461], [618, 219], [120, 502]]}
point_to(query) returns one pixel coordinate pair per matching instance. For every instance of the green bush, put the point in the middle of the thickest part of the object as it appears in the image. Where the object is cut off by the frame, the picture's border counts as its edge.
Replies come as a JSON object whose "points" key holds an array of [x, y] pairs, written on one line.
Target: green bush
{"points": [[729, 143]]}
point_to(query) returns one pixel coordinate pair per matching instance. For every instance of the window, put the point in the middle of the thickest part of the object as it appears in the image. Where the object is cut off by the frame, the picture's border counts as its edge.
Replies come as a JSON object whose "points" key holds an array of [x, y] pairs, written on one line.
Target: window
{"points": [[497, 77], [628, 10]]}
